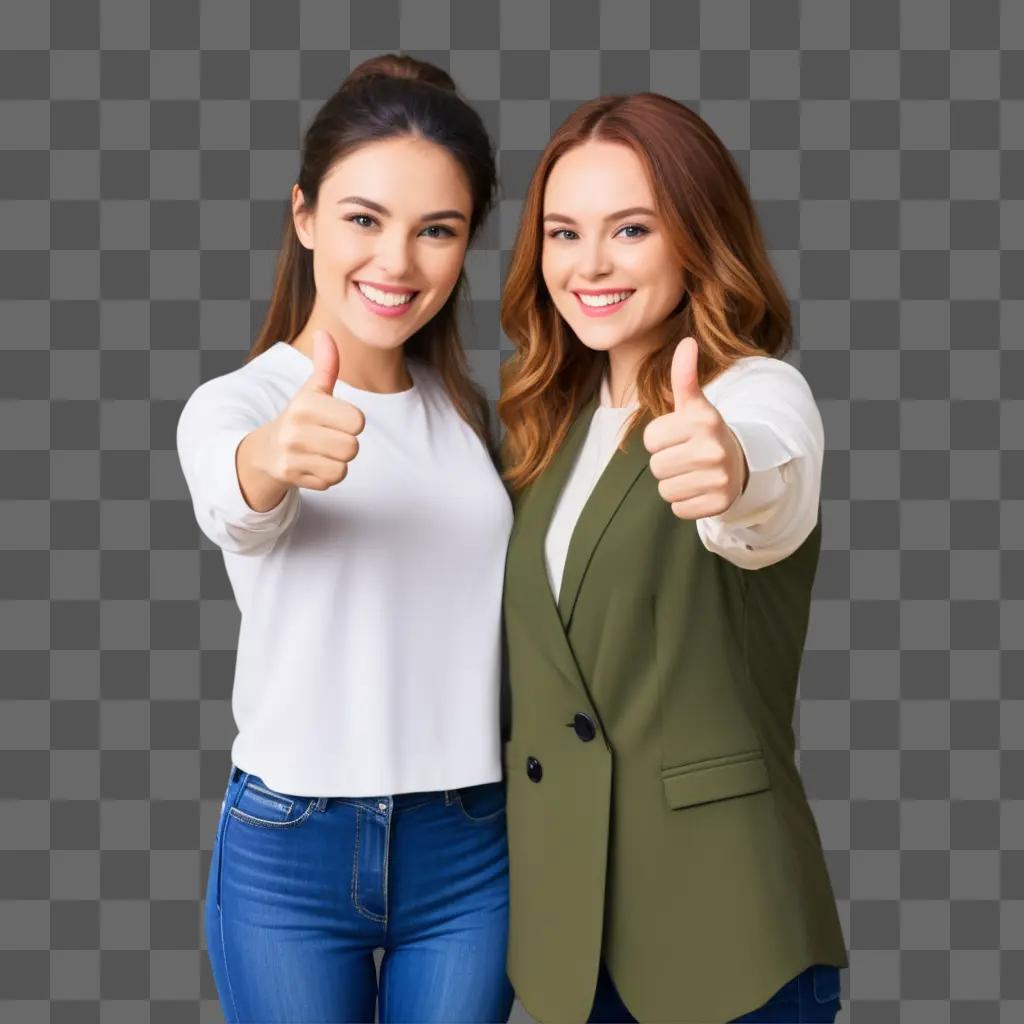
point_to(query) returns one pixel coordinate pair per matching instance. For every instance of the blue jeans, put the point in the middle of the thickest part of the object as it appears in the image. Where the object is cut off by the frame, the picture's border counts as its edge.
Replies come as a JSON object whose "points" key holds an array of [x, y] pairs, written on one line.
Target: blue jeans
{"points": [[302, 890], [812, 996]]}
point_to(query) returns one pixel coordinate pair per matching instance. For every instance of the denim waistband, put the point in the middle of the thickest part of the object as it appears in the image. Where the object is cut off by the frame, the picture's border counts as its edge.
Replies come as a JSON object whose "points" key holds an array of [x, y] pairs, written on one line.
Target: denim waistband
{"points": [[397, 801]]}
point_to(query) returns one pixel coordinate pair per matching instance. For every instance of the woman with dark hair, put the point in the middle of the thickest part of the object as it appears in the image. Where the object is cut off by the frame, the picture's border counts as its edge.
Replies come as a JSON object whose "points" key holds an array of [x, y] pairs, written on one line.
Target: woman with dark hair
{"points": [[666, 469], [347, 474]]}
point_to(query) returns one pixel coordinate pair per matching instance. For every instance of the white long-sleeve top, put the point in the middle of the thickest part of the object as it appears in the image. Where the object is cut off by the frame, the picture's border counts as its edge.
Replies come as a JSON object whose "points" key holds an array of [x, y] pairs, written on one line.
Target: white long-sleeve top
{"points": [[369, 646], [768, 404]]}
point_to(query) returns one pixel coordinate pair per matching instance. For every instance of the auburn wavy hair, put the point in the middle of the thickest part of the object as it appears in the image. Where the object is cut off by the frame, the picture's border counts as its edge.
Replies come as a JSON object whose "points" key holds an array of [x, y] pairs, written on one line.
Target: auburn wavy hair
{"points": [[384, 97], [733, 304]]}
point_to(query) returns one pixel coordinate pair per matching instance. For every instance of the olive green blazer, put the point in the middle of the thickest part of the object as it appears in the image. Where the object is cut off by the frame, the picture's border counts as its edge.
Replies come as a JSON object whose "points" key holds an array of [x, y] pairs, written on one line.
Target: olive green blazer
{"points": [[654, 807]]}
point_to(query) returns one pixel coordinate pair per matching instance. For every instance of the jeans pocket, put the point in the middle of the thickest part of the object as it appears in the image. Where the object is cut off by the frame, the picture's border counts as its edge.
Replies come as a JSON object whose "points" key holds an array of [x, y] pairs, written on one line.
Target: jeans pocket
{"points": [[482, 803], [262, 807], [825, 983]]}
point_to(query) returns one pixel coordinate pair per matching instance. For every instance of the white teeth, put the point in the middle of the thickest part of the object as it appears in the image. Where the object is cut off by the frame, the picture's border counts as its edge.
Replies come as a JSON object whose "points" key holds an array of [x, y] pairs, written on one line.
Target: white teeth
{"points": [[384, 298], [603, 300]]}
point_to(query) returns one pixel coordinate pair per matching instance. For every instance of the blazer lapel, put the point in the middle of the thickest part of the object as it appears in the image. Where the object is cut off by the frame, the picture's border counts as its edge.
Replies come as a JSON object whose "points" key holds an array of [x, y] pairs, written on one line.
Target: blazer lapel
{"points": [[608, 494], [533, 517]]}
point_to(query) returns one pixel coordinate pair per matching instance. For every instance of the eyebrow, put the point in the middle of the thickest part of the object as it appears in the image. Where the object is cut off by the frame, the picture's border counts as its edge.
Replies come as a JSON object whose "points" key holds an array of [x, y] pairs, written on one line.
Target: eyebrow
{"points": [[438, 215], [611, 216]]}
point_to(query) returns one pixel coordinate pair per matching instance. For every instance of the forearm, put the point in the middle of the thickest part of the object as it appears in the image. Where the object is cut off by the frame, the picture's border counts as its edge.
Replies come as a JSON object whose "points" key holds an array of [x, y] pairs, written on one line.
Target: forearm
{"points": [[259, 489]]}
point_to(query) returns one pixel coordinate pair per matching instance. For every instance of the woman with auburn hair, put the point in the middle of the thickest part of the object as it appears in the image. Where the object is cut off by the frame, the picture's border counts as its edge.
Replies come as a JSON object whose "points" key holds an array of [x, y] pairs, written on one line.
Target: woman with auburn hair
{"points": [[347, 474], [665, 464]]}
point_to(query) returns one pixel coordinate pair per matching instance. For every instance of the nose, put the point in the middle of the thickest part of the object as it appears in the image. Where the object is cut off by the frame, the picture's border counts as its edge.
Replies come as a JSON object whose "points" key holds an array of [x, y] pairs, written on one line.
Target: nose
{"points": [[394, 256], [595, 261]]}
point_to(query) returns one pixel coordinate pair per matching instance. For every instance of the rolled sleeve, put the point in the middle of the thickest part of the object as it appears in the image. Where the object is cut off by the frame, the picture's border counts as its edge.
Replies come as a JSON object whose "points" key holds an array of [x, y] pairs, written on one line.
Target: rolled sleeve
{"points": [[769, 407], [217, 463], [766, 454], [212, 424]]}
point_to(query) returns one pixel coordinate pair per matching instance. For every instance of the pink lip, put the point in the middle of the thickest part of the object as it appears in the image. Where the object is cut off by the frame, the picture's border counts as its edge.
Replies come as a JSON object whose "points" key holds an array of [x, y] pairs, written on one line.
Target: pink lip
{"points": [[389, 311], [601, 310], [393, 288]]}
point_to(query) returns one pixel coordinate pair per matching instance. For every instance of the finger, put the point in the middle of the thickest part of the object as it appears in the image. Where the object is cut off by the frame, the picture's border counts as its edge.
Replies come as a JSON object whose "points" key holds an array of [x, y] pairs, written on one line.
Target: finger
{"points": [[336, 413], [694, 508], [665, 431], [692, 484], [319, 473], [325, 364], [674, 460], [692, 454], [338, 445], [684, 373]]}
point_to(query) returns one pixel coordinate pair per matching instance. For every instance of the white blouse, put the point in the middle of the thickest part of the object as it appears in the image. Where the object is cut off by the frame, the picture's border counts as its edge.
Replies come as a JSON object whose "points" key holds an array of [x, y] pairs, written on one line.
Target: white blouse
{"points": [[768, 404]]}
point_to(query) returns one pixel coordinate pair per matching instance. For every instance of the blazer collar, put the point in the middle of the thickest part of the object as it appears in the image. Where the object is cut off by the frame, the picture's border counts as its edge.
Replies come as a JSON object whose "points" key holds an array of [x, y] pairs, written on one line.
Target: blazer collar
{"points": [[622, 470]]}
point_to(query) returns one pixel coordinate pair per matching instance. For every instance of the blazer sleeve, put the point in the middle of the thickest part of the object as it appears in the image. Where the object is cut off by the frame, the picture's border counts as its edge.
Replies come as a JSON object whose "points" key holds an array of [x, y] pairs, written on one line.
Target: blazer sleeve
{"points": [[216, 417], [769, 406]]}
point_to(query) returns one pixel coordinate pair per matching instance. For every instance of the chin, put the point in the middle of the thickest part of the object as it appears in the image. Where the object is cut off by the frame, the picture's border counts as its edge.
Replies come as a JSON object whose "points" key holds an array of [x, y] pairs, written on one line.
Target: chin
{"points": [[597, 341]]}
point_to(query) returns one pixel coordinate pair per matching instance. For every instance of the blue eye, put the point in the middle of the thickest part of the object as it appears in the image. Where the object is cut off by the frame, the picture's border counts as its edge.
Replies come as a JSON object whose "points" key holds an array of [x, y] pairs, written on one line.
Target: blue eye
{"points": [[626, 227], [356, 218]]}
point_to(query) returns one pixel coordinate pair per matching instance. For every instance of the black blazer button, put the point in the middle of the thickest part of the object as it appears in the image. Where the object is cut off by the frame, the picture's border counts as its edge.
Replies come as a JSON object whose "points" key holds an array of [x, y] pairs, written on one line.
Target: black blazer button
{"points": [[584, 726], [533, 769]]}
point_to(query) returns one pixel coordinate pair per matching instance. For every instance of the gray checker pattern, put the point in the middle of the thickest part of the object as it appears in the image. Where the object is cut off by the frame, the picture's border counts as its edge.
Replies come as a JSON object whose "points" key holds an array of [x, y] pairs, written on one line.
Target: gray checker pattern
{"points": [[146, 152]]}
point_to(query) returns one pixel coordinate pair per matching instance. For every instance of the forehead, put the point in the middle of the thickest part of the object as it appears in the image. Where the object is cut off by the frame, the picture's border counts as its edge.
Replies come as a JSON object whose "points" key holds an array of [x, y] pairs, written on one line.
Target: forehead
{"points": [[401, 173], [597, 175]]}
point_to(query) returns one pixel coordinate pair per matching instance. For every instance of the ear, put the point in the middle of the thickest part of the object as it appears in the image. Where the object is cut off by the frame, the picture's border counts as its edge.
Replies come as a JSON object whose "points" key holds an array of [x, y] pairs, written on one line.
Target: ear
{"points": [[302, 218]]}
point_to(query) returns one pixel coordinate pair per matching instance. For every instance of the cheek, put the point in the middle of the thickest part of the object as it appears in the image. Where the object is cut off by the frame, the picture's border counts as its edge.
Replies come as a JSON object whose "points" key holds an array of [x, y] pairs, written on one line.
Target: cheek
{"points": [[441, 270], [555, 269]]}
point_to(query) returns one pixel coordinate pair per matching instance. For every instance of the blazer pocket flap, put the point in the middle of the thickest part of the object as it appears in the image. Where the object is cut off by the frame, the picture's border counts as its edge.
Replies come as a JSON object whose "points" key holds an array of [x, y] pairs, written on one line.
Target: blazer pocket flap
{"points": [[715, 779]]}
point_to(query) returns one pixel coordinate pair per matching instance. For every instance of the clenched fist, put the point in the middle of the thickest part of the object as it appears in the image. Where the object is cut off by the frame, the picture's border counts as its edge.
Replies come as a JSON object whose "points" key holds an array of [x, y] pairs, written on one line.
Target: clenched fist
{"points": [[695, 456], [314, 439]]}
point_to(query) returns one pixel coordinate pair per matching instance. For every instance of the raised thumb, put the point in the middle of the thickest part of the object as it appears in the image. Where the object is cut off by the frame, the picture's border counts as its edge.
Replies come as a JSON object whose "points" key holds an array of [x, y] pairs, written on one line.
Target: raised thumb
{"points": [[684, 373], [325, 363]]}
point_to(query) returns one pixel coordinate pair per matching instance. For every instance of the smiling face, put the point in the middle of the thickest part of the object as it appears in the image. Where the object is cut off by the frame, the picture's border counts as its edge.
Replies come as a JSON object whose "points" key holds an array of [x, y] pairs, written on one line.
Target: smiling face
{"points": [[606, 258], [389, 236]]}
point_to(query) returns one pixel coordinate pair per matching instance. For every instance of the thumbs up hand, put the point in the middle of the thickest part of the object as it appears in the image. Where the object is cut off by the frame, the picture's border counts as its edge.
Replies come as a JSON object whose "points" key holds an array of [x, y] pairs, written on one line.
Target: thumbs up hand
{"points": [[696, 458], [314, 439]]}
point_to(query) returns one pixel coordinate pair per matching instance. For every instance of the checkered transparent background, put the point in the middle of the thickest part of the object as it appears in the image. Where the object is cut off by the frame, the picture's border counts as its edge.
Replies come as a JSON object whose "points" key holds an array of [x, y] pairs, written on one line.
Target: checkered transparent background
{"points": [[146, 154]]}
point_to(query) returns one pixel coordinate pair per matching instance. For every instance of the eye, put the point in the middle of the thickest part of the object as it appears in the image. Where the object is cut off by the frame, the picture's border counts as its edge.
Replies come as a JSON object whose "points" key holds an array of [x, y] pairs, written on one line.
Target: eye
{"points": [[441, 227], [361, 216], [558, 231], [639, 227]]}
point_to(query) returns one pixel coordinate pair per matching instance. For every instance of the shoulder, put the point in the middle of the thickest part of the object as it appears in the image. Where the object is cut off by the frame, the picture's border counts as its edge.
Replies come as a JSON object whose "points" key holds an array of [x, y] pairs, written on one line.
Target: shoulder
{"points": [[258, 383], [426, 377], [757, 370]]}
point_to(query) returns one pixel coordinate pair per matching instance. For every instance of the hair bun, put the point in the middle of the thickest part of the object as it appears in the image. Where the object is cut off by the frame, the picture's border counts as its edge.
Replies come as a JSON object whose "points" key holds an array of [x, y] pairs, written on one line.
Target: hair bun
{"points": [[395, 65]]}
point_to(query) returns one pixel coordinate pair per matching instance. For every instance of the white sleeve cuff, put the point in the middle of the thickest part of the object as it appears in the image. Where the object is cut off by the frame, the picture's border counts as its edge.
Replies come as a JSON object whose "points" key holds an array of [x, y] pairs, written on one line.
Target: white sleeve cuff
{"points": [[217, 466], [766, 455]]}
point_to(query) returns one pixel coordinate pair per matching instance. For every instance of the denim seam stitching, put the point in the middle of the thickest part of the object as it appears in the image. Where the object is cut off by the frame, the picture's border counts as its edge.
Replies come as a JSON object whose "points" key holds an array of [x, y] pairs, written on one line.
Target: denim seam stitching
{"points": [[387, 851], [485, 818], [224, 956], [274, 796], [368, 914], [264, 823]]}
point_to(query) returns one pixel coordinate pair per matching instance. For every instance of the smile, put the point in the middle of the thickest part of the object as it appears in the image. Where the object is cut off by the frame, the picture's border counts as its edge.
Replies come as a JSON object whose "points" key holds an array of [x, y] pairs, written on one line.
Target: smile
{"points": [[384, 303], [603, 304]]}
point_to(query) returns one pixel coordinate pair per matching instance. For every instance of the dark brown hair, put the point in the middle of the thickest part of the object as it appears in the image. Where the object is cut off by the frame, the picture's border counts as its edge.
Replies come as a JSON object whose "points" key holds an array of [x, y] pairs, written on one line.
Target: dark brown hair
{"points": [[733, 304], [385, 97]]}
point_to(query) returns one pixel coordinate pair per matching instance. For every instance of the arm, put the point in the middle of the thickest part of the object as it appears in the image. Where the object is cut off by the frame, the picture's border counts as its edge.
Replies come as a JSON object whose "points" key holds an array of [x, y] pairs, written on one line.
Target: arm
{"points": [[219, 442], [769, 406]]}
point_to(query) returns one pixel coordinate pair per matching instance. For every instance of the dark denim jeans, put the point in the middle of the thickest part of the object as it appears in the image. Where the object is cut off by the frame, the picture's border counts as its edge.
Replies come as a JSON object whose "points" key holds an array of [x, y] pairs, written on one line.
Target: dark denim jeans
{"points": [[811, 997], [302, 890]]}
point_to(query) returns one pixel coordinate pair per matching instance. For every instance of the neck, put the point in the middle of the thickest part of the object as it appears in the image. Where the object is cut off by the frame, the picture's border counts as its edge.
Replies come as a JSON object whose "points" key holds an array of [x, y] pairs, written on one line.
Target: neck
{"points": [[624, 361], [381, 370]]}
